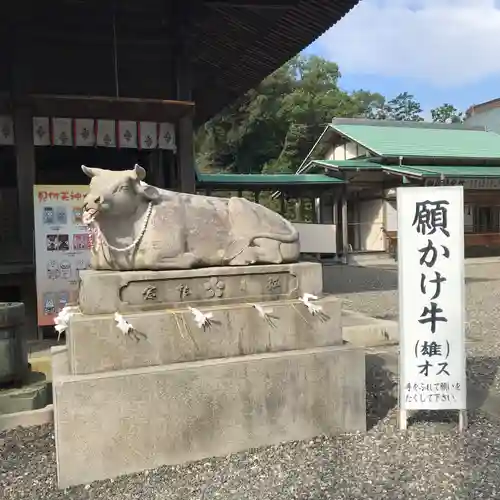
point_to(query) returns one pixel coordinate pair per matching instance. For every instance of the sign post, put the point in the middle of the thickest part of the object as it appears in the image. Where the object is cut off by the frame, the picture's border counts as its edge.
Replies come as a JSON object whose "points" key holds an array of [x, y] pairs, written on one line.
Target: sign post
{"points": [[431, 301], [62, 247]]}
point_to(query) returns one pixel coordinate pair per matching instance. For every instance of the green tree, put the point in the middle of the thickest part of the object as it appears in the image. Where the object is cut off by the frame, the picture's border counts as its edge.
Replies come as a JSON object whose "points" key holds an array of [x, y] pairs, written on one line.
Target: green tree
{"points": [[372, 105], [447, 113], [404, 107], [274, 126]]}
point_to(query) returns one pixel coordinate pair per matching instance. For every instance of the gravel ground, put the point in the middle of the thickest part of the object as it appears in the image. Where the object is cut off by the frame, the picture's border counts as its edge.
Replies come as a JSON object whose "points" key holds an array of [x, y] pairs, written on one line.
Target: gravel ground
{"points": [[430, 461]]}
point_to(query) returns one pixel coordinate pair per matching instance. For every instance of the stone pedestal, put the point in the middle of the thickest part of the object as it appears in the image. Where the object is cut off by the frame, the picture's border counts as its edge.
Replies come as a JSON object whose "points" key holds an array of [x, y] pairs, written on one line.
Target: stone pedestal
{"points": [[174, 392]]}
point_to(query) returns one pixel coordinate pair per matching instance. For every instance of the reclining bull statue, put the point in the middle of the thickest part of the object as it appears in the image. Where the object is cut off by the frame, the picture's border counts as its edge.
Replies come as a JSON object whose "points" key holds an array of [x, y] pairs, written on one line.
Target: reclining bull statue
{"points": [[135, 226]]}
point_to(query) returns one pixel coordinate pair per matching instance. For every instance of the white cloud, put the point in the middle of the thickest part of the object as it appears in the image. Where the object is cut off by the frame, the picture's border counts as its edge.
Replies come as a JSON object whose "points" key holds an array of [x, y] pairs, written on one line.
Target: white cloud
{"points": [[446, 43]]}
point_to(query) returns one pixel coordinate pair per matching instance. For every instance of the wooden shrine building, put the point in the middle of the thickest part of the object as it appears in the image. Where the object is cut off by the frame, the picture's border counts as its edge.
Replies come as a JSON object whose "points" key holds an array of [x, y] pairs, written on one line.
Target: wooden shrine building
{"points": [[374, 157], [110, 83]]}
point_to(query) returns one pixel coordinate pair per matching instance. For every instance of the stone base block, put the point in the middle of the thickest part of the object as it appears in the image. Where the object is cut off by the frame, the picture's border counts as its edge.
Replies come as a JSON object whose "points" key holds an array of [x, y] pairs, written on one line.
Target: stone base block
{"points": [[95, 344], [361, 330], [103, 292], [123, 422], [32, 395], [27, 418]]}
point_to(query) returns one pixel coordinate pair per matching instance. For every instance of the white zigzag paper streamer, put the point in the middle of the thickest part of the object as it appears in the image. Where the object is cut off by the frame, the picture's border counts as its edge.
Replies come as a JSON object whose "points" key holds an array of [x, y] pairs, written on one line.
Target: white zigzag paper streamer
{"points": [[122, 324], [202, 320], [312, 308]]}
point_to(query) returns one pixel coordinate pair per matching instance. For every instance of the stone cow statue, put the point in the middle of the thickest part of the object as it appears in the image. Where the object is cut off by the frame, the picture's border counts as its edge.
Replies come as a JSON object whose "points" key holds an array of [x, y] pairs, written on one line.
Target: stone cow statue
{"points": [[135, 226]]}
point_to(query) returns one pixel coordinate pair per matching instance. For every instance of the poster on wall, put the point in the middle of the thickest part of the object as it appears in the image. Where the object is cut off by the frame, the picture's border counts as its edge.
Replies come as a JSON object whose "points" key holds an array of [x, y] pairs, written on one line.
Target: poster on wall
{"points": [[62, 247]]}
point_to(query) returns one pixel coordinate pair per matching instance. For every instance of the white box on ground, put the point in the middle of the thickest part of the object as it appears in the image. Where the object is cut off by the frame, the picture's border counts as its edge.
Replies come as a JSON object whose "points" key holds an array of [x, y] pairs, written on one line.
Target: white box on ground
{"points": [[431, 298]]}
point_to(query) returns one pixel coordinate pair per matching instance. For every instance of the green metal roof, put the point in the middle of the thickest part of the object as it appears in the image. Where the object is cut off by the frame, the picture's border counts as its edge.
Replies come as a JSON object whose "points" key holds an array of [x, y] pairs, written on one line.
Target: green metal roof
{"points": [[461, 171], [267, 180], [345, 164], [466, 171], [423, 142]]}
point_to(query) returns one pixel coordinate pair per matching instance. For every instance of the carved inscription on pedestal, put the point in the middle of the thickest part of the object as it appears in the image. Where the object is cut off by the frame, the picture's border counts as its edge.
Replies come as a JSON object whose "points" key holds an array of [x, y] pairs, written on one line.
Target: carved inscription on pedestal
{"points": [[273, 285], [184, 291], [214, 288], [149, 293], [202, 290]]}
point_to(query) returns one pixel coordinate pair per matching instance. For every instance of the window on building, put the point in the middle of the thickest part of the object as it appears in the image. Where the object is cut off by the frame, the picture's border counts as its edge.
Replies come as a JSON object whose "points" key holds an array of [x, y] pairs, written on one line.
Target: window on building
{"points": [[486, 219]]}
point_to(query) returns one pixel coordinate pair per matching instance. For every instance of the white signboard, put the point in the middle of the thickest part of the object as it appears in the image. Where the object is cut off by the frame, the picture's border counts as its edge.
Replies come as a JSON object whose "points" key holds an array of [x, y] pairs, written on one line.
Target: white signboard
{"points": [[62, 247], [431, 298]]}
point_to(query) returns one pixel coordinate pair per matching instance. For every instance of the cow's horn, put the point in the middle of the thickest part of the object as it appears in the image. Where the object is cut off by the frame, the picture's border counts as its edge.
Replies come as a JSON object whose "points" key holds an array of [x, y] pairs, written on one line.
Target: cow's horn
{"points": [[89, 172], [140, 172]]}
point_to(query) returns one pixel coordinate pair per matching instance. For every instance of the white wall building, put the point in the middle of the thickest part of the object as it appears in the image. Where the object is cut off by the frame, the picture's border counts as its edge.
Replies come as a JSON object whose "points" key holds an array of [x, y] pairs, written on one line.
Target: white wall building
{"points": [[485, 115]]}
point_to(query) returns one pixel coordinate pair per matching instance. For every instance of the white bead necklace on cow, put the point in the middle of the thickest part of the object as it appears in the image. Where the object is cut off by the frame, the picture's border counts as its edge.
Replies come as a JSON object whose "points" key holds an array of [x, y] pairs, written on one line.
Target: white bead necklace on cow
{"points": [[132, 245]]}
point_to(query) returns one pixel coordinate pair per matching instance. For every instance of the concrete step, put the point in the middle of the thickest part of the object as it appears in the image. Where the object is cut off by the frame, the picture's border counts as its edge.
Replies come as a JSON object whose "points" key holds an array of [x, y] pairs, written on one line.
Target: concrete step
{"points": [[366, 259], [364, 331]]}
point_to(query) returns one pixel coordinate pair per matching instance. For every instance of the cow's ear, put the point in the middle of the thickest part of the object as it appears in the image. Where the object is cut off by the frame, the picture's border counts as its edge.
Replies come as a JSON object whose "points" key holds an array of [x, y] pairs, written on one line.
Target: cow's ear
{"points": [[139, 172], [149, 192], [90, 172]]}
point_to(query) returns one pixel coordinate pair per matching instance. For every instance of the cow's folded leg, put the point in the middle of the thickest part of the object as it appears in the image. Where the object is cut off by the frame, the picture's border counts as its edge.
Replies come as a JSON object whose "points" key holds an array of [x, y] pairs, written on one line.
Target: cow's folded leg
{"points": [[268, 251], [264, 251], [245, 258]]}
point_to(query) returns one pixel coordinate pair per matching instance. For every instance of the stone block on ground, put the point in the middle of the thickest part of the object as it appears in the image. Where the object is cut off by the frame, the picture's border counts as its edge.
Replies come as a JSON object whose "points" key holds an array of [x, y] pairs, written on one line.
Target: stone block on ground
{"points": [[27, 418], [361, 330], [32, 395], [95, 344], [105, 292], [127, 421]]}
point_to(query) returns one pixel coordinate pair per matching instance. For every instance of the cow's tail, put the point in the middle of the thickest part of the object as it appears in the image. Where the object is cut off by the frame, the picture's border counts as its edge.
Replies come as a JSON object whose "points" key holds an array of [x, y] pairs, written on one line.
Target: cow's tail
{"points": [[238, 246], [291, 237]]}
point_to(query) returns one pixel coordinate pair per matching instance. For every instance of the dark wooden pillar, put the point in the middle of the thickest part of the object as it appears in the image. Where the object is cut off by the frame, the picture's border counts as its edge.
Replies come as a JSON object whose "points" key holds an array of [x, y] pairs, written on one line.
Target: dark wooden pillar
{"points": [[23, 126], [335, 220], [184, 92], [282, 204], [345, 232], [298, 210], [317, 210], [25, 158], [338, 223], [29, 298], [25, 166]]}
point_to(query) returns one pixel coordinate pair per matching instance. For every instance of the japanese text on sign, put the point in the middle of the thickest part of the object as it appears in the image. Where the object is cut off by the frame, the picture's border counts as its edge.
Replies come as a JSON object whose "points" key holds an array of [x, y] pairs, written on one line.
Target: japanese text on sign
{"points": [[430, 239], [54, 195], [62, 247]]}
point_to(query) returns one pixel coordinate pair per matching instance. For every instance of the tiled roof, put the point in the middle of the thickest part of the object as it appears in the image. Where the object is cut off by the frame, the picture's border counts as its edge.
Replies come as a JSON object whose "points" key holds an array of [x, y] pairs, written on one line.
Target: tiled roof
{"points": [[233, 44]]}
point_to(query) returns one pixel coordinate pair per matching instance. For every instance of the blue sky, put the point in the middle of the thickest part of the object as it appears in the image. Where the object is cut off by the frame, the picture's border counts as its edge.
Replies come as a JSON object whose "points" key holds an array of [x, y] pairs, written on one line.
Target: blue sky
{"points": [[438, 50]]}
